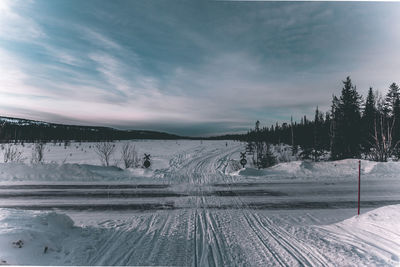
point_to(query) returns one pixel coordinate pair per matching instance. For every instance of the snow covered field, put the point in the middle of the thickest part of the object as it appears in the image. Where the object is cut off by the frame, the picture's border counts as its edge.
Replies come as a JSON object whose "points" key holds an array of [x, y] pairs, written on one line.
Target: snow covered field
{"points": [[195, 206]]}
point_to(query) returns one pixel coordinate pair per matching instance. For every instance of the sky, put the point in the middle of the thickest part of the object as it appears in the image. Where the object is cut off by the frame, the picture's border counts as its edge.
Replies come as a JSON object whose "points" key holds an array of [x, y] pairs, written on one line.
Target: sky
{"points": [[194, 68]]}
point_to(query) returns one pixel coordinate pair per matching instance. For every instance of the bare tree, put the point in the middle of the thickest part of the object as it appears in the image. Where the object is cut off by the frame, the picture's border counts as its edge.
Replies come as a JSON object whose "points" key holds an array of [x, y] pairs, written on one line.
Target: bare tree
{"points": [[12, 154], [383, 146], [129, 156], [104, 150], [38, 153]]}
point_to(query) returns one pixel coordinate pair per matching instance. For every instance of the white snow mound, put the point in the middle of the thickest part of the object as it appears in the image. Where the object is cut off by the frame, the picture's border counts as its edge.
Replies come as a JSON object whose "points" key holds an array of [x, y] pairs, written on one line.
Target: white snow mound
{"points": [[331, 169], [375, 234], [69, 172]]}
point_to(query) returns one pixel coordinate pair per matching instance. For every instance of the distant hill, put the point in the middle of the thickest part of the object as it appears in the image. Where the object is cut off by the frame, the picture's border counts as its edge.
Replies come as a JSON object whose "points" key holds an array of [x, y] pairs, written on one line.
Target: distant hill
{"points": [[31, 130]]}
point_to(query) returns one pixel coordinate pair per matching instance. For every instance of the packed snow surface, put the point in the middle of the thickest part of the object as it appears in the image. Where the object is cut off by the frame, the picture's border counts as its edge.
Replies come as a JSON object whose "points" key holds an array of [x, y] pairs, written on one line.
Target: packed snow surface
{"points": [[195, 206], [207, 237]]}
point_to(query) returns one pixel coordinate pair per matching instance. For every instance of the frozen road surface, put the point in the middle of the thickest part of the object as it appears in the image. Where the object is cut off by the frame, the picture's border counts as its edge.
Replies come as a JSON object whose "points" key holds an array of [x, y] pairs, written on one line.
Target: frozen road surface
{"points": [[201, 210]]}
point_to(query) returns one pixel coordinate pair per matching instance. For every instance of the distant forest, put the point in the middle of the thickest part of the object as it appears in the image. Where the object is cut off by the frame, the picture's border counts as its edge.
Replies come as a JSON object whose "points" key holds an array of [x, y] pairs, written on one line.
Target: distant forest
{"points": [[353, 128], [17, 130]]}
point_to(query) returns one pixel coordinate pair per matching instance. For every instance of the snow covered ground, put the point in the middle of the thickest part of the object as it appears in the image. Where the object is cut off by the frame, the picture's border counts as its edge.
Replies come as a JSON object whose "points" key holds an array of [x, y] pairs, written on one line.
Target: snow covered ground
{"points": [[196, 206]]}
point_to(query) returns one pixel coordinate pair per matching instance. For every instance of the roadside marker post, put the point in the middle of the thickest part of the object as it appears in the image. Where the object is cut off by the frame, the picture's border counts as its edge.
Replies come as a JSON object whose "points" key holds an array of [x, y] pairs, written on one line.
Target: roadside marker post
{"points": [[146, 162], [243, 160], [359, 185]]}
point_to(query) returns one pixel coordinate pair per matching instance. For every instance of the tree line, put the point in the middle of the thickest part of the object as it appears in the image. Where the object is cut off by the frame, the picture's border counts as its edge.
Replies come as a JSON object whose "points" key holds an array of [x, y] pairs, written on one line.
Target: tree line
{"points": [[352, 128], [18, 130]]}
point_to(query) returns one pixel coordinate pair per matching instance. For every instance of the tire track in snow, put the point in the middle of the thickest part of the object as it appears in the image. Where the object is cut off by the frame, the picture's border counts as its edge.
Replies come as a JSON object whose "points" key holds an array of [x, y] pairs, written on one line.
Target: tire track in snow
{"points": [[216, 240], [195, 240], [207, 239], [215, 162], [268, 253], [273, 236], [363, 241], [299, 250], [267, 233], [145, 242]]}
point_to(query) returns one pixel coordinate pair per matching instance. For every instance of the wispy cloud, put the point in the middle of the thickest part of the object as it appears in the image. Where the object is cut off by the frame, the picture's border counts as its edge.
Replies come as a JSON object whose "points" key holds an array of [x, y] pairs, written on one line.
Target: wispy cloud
{"points": [[98, 39], [62, 55], [15, 26], [110, 69]]}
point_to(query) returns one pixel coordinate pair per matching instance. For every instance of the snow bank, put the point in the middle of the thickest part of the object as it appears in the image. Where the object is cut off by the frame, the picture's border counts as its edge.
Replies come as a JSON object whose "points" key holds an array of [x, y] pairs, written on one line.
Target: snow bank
{"points": [[34, 231], [232, 166], [69, 172], [382, 168], [330, 169], [373, 236]]}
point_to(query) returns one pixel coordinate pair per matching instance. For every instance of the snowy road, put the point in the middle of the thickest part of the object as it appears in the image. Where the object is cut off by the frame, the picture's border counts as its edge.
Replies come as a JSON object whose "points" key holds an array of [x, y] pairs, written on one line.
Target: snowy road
{"points": [[267, 196], [198, 214]]}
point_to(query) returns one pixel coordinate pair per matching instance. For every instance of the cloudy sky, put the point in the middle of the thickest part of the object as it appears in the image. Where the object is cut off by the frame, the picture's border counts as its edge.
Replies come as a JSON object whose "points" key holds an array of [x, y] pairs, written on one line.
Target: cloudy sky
{"points": [[192, 68]]}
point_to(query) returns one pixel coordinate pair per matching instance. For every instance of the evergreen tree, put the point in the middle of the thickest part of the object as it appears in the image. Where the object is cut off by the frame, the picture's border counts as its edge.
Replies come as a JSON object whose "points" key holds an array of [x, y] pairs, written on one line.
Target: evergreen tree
{"points": [[267, 158], [347, 119], [258, 143], [334, 145], [392, 108], [392, 112], [257, 126], [368, 120], [316, 151], [391, 98], [318, 135], [294, 147], [396, 128]]}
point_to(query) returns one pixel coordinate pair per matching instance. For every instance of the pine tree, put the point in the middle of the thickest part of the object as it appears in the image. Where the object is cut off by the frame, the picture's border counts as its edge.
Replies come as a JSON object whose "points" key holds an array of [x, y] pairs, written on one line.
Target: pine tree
{"points": [[334, 145], [392, 112], [267, 158], [368, 120], [396, 117], [391, 97], [294, 148], [258, 143], [257, 126], [347, 119], [316, 151], [318, 135]]}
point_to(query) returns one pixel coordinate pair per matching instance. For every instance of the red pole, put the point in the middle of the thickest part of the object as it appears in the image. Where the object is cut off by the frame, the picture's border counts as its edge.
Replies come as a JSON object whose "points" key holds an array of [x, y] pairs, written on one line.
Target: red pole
{"points": [[359, 185]]}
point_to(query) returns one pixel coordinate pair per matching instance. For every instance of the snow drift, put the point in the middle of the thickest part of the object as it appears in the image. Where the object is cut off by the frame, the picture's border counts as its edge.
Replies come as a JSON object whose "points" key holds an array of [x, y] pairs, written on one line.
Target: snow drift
{"points": [[341, 169]]}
